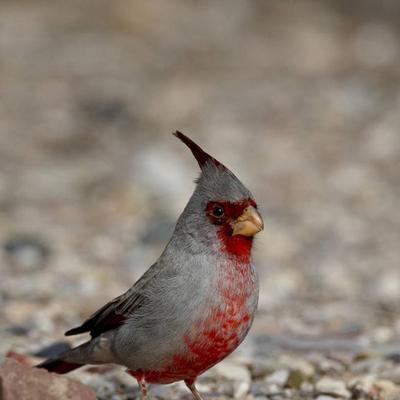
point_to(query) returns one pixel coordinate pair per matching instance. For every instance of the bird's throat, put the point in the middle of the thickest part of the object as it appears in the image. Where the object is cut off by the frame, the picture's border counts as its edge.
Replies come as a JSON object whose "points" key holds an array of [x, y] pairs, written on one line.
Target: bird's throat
{"points": [[237, 246]]}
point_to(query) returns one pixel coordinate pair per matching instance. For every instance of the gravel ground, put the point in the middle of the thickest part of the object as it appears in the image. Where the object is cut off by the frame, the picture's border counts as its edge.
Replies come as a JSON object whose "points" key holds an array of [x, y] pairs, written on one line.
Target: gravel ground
{"points": [[301, 99]]}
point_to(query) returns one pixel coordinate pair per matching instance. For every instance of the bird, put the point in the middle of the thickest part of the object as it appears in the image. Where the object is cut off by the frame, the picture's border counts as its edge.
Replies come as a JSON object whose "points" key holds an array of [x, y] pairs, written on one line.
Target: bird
{"points": [[195, 304]]}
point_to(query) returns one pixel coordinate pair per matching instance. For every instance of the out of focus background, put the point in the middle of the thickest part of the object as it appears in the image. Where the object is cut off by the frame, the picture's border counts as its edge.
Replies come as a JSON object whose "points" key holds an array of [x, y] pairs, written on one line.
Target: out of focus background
{"points": [[300, 99]]}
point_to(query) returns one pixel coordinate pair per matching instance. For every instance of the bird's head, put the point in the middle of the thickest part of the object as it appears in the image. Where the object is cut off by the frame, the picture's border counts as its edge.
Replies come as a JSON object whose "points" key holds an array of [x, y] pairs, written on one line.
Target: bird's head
{"points": [[222, 214]]}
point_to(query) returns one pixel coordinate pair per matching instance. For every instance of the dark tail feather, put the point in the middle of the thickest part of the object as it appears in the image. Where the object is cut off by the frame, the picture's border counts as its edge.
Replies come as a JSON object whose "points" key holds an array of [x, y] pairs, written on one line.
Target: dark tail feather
{"points": [[58, 366]]}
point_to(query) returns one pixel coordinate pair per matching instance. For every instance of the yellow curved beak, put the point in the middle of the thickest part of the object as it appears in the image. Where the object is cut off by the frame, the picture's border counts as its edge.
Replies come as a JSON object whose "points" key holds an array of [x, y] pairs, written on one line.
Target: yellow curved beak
{"points": [[249, 223]]}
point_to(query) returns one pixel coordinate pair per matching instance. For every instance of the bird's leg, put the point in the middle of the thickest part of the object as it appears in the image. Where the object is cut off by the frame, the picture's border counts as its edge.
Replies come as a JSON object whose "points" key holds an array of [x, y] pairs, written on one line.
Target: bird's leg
{"points": [[143, 387], [139, 376], [190, 384]]}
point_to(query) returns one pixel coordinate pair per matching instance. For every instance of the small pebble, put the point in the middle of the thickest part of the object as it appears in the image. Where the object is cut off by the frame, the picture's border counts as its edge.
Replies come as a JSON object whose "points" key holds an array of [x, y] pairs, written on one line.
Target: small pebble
{"points": [[258, 388], [296, 378], [279, 377], [387, 389], [17, 330], [261, 368], [395, 357], [26, 253], [392, 375], [241, 390], [362, 385], [333, 387], [273, 389], [232, 371]]}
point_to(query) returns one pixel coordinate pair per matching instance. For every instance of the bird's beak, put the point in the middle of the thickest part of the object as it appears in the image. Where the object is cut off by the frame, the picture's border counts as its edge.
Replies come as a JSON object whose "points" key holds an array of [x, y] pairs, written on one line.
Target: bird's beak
{"points": [[249, 223]]}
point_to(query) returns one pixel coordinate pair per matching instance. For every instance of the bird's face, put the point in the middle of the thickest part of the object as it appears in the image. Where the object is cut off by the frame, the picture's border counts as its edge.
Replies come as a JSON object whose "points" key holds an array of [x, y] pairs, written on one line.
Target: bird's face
{"points": [[235, 218], [222, 212], [236, 223]]}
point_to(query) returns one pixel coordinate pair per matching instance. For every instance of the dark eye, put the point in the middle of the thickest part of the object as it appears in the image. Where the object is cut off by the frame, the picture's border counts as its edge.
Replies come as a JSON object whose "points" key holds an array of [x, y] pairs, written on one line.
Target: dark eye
{"points": [[218, 211]]}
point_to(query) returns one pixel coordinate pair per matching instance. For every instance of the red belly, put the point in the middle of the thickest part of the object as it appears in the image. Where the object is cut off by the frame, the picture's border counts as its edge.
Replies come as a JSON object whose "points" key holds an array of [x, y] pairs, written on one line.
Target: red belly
{"points": [[207, 343]]}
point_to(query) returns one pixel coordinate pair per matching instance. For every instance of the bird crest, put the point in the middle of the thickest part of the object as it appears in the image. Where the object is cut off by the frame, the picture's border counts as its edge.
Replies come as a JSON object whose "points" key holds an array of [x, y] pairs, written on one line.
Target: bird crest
{"points": [[199, 154]]}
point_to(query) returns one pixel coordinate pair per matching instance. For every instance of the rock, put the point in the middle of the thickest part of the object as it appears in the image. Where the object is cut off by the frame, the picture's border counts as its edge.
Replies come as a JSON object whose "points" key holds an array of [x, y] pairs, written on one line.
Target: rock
{"points": [[304, 367], [22, 358], [258, 389], [262, 388], [101, 382], [324, 397], [162, 392], [273, 389], [363, 355], [123, 378], [26, 383], [26, 253], [261, 368], [232, 371], [295, 379], [392, 374], [369, 365], [386, 390], [362, 385], [279, 377], [226, 388], [369, 386], [307, 388], [394, 357], [106, 111], [332, 387], [17, 329], [241, 389], [327, 365], [103, 388]]}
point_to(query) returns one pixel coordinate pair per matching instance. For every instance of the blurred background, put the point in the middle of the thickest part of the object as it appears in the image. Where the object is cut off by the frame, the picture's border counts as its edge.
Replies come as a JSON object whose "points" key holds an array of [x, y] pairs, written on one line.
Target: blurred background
{"points": [[299, 98]]}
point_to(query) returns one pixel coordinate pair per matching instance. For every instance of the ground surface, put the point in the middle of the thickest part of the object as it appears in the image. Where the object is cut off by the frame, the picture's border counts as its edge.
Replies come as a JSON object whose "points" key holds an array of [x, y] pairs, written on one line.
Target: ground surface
{"points": [[301, 99]]}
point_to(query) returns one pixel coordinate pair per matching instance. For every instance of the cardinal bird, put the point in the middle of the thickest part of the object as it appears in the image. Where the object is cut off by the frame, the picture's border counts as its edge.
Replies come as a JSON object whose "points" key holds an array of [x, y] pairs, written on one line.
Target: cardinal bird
{"points": [[196, 304]]}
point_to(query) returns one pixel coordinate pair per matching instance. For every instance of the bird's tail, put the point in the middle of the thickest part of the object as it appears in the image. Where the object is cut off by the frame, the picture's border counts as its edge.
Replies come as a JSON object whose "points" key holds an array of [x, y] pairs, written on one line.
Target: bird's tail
{"points": [[58, 366]]}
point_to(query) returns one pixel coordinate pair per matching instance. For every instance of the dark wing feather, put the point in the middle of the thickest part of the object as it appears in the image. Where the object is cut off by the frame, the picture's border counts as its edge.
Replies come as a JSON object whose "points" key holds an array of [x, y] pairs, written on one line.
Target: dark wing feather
{"points": [[113, 314]]}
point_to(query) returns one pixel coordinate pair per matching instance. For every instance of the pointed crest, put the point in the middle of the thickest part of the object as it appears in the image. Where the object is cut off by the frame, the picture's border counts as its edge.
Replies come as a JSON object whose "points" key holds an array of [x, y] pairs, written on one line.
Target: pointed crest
{"points": [[199, 154]]}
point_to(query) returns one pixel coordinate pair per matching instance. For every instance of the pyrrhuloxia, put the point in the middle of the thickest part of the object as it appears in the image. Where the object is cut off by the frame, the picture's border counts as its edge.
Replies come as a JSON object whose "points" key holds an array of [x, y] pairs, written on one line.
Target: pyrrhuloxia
{"points": [[195, 305]]}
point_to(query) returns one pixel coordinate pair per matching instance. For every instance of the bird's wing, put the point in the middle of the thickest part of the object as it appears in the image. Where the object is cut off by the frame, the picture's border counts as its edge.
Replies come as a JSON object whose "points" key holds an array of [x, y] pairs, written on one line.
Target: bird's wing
{"points": [[114, 313]]}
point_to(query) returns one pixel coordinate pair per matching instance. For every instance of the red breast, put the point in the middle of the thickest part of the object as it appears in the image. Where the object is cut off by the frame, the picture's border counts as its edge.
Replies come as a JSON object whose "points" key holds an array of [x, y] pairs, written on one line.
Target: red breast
{"points": [[214, 336]]}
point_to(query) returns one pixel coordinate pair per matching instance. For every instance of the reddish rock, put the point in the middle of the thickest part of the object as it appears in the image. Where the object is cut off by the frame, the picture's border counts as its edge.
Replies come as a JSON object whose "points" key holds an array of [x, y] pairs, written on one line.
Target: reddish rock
{"points": [[18, 381]]}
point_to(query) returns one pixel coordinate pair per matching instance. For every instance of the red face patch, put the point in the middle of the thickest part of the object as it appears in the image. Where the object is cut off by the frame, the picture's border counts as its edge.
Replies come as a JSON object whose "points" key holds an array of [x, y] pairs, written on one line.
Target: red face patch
{"points": [[222, 214]]}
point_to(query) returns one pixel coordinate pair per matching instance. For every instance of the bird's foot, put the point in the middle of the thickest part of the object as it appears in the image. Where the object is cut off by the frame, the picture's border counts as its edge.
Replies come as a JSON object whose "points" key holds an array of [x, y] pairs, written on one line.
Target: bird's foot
{"points": [[196, 394], [141, 382], [143, 388]]}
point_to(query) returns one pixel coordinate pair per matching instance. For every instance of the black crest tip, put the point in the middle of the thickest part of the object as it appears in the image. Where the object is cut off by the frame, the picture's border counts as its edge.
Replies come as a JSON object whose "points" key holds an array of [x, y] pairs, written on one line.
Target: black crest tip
{"points": [[199, 154]]}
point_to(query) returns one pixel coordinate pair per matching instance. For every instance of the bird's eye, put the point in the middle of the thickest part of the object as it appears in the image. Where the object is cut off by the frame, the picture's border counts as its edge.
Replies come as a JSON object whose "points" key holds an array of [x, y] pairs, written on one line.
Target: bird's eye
{"points": [[218, 211]]}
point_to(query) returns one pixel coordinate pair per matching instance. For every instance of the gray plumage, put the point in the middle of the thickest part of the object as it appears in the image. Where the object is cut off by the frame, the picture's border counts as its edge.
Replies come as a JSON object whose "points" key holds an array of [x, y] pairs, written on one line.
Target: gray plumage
{"points": [[144, 328]]}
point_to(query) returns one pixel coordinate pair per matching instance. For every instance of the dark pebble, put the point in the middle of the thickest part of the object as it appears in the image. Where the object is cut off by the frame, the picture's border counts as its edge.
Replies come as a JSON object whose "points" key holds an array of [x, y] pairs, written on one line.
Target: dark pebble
{"points": [[26, 252], [17, 330], [395, 357]]}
